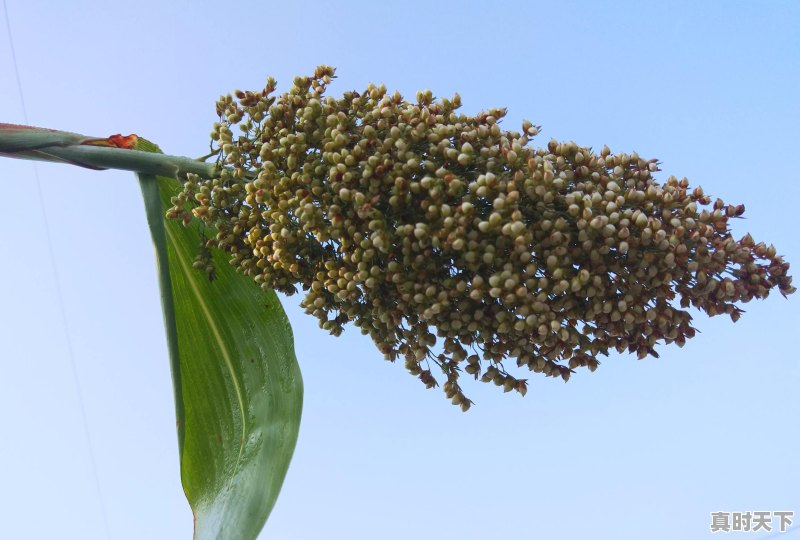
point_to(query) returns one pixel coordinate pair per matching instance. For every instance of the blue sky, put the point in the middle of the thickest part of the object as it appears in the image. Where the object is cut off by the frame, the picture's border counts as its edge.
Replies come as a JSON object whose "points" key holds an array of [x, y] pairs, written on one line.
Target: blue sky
{"points": [[638, 449]]}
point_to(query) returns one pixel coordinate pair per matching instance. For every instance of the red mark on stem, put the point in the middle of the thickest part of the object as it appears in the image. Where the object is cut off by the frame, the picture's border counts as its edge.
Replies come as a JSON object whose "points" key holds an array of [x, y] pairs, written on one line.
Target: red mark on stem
{"points": [[126, 142]]}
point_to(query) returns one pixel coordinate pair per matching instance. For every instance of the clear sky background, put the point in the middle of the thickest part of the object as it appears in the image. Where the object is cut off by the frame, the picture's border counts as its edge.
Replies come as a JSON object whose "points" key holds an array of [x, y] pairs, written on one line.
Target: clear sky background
{"points": [[638, 449]]}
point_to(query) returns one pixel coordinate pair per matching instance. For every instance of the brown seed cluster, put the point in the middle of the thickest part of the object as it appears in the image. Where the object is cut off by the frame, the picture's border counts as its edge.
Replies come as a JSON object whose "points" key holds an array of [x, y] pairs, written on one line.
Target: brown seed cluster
{"points": [[453, 243]]}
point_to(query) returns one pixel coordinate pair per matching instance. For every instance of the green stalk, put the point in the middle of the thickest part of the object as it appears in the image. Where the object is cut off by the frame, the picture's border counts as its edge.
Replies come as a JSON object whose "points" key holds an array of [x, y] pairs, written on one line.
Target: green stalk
{"points": [[26, 142]]}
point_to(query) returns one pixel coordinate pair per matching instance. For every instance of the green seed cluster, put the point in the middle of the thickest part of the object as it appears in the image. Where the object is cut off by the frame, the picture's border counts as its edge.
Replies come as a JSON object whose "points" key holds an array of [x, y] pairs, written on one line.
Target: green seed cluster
{"points": [[452, 242]]}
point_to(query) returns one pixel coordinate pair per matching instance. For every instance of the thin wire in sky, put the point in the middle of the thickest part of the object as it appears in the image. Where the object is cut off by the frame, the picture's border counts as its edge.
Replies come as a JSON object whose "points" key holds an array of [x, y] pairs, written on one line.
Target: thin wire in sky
{"points": [[57, 282]]}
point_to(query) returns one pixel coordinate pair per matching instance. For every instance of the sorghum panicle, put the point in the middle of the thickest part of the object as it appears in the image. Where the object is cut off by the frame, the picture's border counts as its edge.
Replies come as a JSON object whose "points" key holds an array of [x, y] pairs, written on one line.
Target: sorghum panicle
{"points": [[450, 241]]}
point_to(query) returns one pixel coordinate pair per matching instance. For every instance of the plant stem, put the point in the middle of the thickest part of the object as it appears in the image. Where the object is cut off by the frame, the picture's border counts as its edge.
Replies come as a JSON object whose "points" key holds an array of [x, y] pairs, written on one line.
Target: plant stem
{"points": [[25, 142]]}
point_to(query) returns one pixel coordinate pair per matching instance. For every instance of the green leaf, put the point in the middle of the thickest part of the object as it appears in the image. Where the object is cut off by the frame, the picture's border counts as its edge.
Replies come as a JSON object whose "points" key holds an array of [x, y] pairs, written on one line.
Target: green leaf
{"points": [[238, 388]]}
